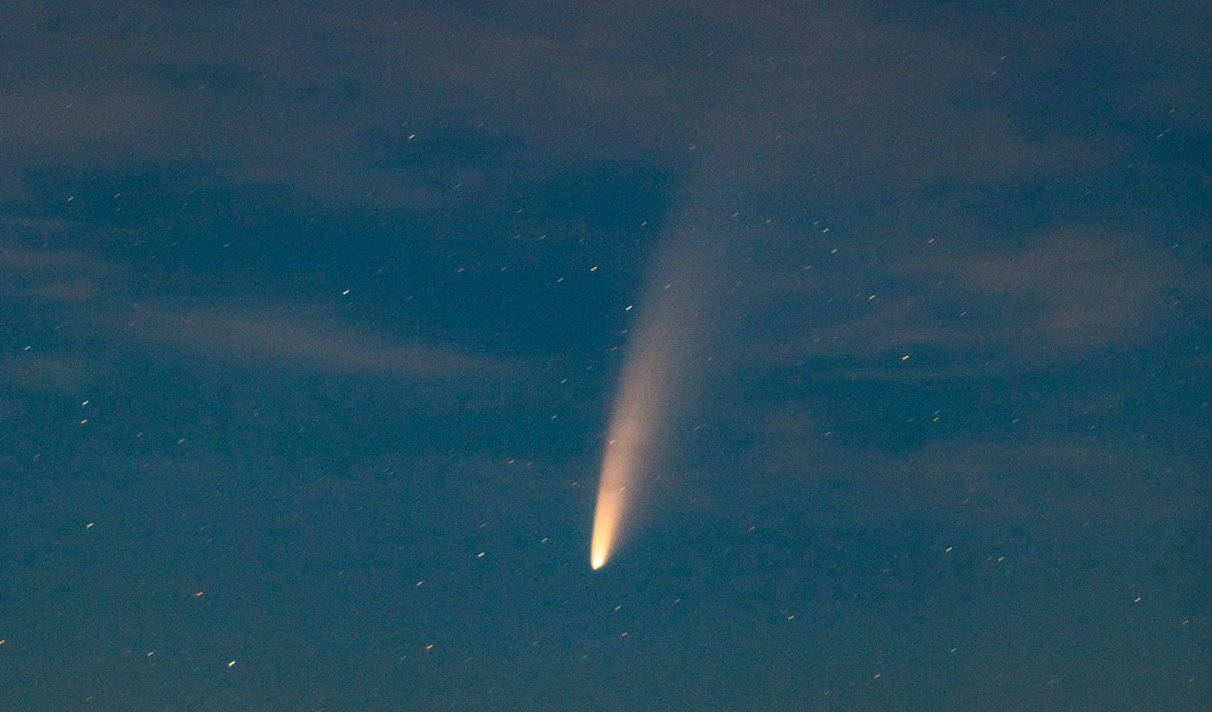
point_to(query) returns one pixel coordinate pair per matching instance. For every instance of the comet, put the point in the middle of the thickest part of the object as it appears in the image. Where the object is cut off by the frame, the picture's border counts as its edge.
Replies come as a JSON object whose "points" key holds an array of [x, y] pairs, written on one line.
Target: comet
{"points": [[657, 368], [638, 417]]}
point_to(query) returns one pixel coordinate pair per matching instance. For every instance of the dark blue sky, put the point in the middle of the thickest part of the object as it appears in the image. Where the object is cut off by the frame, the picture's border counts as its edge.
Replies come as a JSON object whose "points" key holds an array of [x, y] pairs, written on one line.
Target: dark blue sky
{"points": [[311, 318]]}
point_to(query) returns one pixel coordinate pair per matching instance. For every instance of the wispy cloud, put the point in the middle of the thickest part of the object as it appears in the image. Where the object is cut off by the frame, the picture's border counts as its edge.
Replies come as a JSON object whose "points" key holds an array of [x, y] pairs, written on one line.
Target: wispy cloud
{"points": [[350, 111], [53, 372], [255, 334], [1059, 298], [268, 339]]}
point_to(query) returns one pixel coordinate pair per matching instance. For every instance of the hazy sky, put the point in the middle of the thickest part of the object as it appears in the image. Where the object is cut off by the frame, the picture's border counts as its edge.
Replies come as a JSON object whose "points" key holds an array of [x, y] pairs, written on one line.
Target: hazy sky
{"points": [[312, 317]]}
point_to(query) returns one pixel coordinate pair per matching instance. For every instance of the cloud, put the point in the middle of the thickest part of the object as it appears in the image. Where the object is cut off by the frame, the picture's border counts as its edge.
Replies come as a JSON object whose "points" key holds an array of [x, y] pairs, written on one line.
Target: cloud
{"points": [[267, 339], [41, 263], [1046, 479], [1061, 298], [54, 372], [1077, 293], [361, 109], [256, 334], [1051, 475], [798, 106]]}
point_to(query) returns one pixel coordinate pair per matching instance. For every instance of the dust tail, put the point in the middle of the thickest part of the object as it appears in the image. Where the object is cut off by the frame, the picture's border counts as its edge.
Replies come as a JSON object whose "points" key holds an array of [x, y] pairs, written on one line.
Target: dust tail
{"points": [[661, 366]]}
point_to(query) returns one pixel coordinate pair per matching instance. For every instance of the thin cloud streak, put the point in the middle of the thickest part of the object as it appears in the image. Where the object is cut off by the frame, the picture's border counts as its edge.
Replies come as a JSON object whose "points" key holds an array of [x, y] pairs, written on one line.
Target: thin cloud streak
{"points": [[264, 339], [262, 335]]}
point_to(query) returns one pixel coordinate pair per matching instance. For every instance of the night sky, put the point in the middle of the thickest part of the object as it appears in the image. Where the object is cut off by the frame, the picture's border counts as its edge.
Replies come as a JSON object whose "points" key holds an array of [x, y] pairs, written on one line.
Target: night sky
{"points": [[313, 314]]}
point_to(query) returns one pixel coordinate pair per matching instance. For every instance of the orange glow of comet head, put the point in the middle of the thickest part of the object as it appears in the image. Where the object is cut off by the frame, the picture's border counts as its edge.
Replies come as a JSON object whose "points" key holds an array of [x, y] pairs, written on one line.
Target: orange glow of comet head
{"points": [[605, 520], [616, 472], [629, 434]]}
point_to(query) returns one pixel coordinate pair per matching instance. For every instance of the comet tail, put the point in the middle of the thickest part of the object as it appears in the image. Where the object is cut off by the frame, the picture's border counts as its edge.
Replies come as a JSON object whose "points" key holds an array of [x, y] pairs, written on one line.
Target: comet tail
{"points": [[656, 372]]}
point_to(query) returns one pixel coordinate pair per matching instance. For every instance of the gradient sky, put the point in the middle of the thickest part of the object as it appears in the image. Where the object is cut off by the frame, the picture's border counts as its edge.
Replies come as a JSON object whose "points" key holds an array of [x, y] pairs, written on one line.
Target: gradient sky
{"points": [[312, 316]]}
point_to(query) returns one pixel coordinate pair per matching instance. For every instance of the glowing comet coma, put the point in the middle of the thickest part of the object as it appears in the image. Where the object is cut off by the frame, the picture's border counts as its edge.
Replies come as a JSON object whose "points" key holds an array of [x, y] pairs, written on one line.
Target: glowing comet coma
{"points": [[619, 463], [639, 416], [605, 518]]}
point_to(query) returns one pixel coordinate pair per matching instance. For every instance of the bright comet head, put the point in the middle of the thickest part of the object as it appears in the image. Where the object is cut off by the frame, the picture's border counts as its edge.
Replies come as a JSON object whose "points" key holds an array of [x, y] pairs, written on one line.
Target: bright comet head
{"points": [[605, 524], [628, 437]]}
